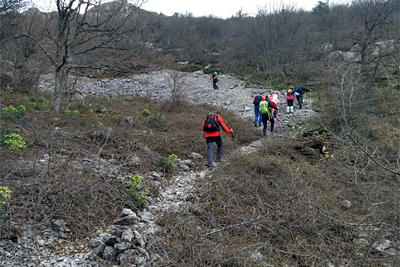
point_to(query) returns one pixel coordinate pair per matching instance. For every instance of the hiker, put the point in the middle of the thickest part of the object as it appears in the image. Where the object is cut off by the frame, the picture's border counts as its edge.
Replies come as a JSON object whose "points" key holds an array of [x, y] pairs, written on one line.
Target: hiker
{"points": [[273, 98], [298, 92], [211, 126], [289, 100], [214, 77], [257, 115], [265, 110]]}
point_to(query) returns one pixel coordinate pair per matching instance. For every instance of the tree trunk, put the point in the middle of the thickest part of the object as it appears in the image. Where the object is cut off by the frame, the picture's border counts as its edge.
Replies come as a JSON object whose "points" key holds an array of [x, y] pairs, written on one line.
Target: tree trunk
{"points": [[58, 87]]}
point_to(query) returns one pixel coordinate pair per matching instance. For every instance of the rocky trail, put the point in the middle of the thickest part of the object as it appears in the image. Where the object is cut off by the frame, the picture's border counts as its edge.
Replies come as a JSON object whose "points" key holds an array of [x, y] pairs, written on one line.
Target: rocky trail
{"points": [[114, 245]]}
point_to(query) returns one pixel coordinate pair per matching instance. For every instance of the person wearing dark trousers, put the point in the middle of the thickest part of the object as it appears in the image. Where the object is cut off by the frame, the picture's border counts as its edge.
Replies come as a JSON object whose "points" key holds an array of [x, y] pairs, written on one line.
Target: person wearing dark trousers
{"points": [[298, 92], [214, 136], [214, 77], [268, 112]]}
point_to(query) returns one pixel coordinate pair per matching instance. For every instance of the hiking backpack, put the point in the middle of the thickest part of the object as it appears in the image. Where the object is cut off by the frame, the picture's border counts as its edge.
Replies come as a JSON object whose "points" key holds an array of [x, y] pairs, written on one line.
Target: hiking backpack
{"points": [[211, 124], [257, 100], [264, 109]]}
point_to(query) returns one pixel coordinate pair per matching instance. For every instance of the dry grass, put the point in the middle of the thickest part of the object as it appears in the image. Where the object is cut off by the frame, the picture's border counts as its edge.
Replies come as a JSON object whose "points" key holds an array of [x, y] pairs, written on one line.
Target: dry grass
{"points": [[91, 152], [283, 201], [287, 207]]}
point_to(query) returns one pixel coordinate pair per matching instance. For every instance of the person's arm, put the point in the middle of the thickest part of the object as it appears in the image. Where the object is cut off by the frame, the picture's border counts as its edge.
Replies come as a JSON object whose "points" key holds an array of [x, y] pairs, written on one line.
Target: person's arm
{"points": [[226, 129], [272, 105], [211, 77], [202, 127]]}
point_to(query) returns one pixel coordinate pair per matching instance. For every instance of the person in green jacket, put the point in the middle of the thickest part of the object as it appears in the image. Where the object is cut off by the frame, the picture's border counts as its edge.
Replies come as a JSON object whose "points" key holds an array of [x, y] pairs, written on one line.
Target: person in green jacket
{"points": [[214, 77]]}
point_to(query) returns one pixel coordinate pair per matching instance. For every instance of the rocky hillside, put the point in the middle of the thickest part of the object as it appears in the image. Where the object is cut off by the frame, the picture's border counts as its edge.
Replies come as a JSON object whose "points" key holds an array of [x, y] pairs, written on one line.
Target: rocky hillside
{"points": [[133, 237]]}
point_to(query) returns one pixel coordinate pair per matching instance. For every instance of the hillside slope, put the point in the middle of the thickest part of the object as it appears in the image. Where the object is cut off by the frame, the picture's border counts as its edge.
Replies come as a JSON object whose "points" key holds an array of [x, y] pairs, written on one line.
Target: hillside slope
{"points": [[283, 201]]}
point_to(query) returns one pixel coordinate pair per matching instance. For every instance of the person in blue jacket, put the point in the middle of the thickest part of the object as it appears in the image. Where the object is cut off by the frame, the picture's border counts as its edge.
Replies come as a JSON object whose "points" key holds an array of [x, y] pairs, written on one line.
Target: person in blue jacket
{"points": [[298, 92]]}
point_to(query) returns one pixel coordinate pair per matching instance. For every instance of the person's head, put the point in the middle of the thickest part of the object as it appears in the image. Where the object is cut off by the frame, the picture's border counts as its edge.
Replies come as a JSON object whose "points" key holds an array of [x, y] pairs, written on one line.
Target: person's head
{"points": [[262, 98], [291, 87], [289, 91], [277, 93]]}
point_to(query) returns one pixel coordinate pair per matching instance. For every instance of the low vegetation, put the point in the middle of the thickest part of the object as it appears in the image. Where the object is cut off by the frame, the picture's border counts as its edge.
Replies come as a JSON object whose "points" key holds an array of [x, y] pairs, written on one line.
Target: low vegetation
{"points": [[59, 165], [309, 200]]}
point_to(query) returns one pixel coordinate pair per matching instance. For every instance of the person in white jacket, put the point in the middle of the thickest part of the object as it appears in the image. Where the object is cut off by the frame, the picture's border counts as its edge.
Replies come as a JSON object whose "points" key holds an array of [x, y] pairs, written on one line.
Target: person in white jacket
{"points": [[274, 99]]}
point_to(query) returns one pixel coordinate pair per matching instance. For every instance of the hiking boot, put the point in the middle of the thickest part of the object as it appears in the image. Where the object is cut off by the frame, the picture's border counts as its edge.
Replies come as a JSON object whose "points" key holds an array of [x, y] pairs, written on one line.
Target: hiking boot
{"points": [[212, 165], [264, 133], [255, 124], [218, 160]]}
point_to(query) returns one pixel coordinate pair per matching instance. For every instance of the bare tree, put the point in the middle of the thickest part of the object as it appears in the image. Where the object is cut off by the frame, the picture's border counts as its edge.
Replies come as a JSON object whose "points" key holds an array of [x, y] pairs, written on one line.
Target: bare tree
{"points": [[79, 28], [373, 20], [9, 17], [178, 83]]}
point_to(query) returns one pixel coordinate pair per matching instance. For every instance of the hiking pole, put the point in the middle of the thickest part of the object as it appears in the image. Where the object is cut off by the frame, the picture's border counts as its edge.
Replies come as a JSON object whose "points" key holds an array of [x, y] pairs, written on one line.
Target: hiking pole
{"points": [[233, 139]]}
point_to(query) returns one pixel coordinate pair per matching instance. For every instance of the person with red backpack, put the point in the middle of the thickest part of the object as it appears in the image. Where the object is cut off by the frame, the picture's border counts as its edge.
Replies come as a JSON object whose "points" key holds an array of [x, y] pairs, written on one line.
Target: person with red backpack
{"points": [[257, 115], [211, 127], [289, 100], [273, 98]]}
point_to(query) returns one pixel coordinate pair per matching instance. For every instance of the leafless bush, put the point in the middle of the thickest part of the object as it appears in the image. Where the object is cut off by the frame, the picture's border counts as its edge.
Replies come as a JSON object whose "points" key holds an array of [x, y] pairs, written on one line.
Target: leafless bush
{"points": [[276, 207], [177, 82], [62, 172]]}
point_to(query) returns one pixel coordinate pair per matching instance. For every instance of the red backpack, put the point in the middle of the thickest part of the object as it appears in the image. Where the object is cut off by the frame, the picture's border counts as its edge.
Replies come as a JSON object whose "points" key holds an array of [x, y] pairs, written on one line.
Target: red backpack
{"points": [[272, 102]]}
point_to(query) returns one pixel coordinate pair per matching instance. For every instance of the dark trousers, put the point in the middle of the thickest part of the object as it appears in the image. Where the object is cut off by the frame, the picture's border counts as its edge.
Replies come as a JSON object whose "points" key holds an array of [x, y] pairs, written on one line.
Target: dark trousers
{"points": [[265, 118], [210, 147], [215, 86], [300, 101]]}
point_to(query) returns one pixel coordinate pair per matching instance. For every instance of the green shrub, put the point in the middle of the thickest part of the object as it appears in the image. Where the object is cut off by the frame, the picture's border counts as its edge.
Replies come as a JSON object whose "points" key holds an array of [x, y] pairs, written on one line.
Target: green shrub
{"points": [[13, 113], [5, 195], [156, 120], [83, 104], [139, 200], [14, 142], [145, 112], [40, 104], [166, 163], [3, 132], [129, 98], [384, 83], [100, 109], [71, 113]]}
